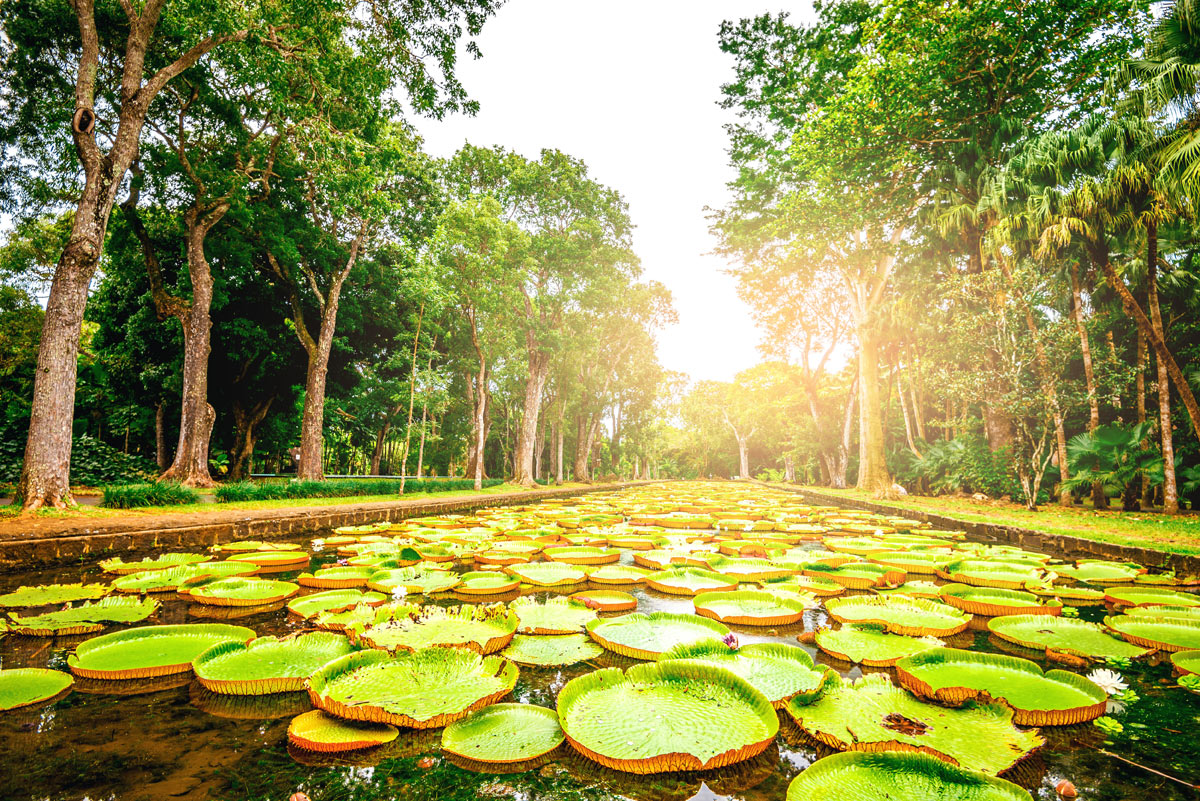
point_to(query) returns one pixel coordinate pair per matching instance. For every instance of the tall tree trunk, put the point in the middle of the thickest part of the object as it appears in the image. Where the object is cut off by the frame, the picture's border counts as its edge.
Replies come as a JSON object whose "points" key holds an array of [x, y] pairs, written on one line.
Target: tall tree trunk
{"points": [[908, 425], [1112, 351], [840, 461], [582, 448], [479, 425], [873, 474], [559, 436], [246, 420], [380, 441], [312, 422], [535, 382], [412, 398], [1170, 491], [539, 446], [1099, 500], [1143, 358], [421, 446], [160, 436]]}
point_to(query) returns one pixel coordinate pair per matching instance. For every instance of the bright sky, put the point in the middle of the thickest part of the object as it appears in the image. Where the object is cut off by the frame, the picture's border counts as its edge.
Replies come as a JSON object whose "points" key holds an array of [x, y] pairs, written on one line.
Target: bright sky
{"points": [[629, 86]]}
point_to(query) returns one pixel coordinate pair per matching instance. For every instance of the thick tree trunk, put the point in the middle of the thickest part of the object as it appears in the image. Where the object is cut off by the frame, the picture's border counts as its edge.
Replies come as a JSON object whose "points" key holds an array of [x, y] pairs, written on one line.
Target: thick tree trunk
{"points": [[539, 446], [245, 422], [1099, 500], [380, 441], [312, 422], [160, 436], [582, 448], [479, 423], [559, 436], [873, 474], [535, 382], [1170, 491], [1143, 358]]}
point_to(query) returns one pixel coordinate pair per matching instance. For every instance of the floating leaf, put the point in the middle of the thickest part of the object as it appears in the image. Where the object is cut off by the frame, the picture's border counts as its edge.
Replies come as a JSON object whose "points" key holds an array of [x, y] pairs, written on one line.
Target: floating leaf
{"points": [[871, 645], [46, 594], [485, 629], [317, 731], [29, 686], [504, 734], [84, 619], [267, 664], [650, 636], [899, 614], [780, 672], [551, 651], [150, 650], [1062, 635], [750, 608], [893, 775]]}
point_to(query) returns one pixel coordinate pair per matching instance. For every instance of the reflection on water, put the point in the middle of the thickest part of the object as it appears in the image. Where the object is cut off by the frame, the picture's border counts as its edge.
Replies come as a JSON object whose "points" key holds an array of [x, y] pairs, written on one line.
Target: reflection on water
{"points": [[170, 738]]}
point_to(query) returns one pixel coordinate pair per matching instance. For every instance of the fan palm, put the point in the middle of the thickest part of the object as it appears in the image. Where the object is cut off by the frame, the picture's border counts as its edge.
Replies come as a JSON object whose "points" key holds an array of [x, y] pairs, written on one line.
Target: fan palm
{"points": [[1113, 457]]}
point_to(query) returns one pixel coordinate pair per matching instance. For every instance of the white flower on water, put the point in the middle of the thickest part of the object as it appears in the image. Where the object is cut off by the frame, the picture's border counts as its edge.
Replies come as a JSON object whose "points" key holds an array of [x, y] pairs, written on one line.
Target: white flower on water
{"points": [[1109, 680], [398, 593]]}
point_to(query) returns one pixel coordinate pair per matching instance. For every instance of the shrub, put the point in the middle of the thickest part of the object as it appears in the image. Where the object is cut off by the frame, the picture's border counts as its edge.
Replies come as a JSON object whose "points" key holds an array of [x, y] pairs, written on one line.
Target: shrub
{"points": [[128, 496], [93, 463], [253, 491]]}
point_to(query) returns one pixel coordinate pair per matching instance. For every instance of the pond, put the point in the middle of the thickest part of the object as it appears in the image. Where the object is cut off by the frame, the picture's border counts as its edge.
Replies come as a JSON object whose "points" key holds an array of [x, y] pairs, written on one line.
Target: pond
{"points": [[171, 738]]}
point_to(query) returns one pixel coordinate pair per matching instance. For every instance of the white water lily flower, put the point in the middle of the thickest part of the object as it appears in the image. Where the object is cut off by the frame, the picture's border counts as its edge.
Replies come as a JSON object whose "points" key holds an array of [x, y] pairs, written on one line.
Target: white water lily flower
{"points": [[1109, 680], [399, 592]]}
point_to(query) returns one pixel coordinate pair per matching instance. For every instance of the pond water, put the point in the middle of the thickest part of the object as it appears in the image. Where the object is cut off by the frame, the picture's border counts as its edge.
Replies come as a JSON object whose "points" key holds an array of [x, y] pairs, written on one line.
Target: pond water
{"points": [[174, 739]]}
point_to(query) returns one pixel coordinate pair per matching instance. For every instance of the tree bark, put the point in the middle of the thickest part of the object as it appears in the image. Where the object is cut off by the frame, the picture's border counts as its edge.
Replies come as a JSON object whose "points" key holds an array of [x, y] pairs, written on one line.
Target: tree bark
{"points": [[1143, 358], [160, 436], [558, 461], [873, 474], [380, 441], [538, 366], [1099, 500], [1170, 491], [246, 420]]}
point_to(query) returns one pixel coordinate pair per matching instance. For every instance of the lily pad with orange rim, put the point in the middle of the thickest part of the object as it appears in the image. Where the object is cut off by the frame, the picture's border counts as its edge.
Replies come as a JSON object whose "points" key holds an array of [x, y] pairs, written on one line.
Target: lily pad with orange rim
{"points": [[1098, 571], [1063, 635], [1052, 698], [338, 577], [162, 562], [858, 575], [664, 559], [414, 579], [667, 716], [1164, 634], [423, 689], [1003, 575], [273, 561], [780, 672], [994, 601], [871, 645], [556, 615], [894, 775], [559, 650], [1149, 596], [548, 574], [750, 608], [913, 617], [238, 591], [487, 582], [23, 687], [309, 606], [150, 651], [171, 579], [46, 594], [872, 714], [318, 731], [690, 581], [267, 664], [504, 734], [1071, 596], [746, 569], [606, 600], [1186, 662], [86, 618], [643, 636], [480, 628], [619, 575], [582, 555], [815, 585]]}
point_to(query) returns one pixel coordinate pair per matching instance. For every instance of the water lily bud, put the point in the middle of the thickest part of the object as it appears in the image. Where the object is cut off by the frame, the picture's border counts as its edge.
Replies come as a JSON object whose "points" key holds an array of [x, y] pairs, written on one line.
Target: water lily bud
{"points": [[1066, 789], [298, 797]]}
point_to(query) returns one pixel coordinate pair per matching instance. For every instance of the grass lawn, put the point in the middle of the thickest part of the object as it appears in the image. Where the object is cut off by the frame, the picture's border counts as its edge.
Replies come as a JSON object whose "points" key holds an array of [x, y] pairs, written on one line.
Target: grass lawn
{"points": [[1171, 533], [283, 503]]}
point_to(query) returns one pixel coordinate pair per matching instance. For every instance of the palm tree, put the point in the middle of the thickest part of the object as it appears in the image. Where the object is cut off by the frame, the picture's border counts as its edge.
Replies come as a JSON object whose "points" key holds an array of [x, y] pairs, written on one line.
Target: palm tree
{"points": [[1113, 457]]}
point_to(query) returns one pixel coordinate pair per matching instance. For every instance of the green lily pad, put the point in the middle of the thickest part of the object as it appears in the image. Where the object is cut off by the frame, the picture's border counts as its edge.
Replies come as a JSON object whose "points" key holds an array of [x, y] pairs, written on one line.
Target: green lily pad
{"points": [[1150, 596], [650, 636], [872, 714], [991, 574], [415, 579], [237, 591], [171, 579], [1165, 634], [751, 608], [336, 577], [504, 734], [994, 601], [86, 618], [552, 651], [1100, 572], [1054, 698], [1186, 662], [118, 565], [690, 581], [871, 645], [748, 569], [268, 664], [582, 555], [317, 731], [780, 672], [46, 594], [896, 775], [916, 589], [487, 582], [423, 689], [150, 650], [484, 629], [1186, 613], [1062, 635], [548, 574], [29, 686], [858, 575], [815, 585], [310, 606], [606, 600], [667, 716], [552, 616], [1075, 596], [915, 617]]}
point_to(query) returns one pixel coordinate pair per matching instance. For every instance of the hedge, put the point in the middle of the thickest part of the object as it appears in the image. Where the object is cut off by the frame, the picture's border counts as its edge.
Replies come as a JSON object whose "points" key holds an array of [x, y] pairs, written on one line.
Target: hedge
{"points": [[253, 491]]}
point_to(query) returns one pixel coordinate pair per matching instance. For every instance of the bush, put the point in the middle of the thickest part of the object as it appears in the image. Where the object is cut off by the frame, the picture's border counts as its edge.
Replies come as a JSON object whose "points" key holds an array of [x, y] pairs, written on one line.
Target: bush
{"points": [[253, 491], [965, 464], [93, 463], [128, 496]]}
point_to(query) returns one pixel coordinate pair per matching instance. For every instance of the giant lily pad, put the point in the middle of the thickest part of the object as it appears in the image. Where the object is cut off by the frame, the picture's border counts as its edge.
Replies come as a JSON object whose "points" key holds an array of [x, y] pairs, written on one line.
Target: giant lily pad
{"points": [[267, 664], [118, 565], [351, 618], [661, 559], [29, 686], [912, 562], [317, 731], [150, 650], [1075, 596], [1062, 635], [273, 561], [422, 689], [46, 594], [484, 629], [332, 600], [748, 569], [871, 645], [993, 601], [606, 600], [900, 776], [1186, 661], [1053, 698], [1166, 634], [991, 574], [858, 575], [336, 577], [171, 579], [1149, 596], [1186, 613], [84, 619], [750, 608], [780, 672], [487, 582], [915, 617], [414, 579], [243, 592], [872, 714], [668, 716], [650, 636], [553, 651], [548, 574], [619, 574], [690, 581], [1095, 571], [816, 585], [582, 555], [552, 616], [504, 734]]}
